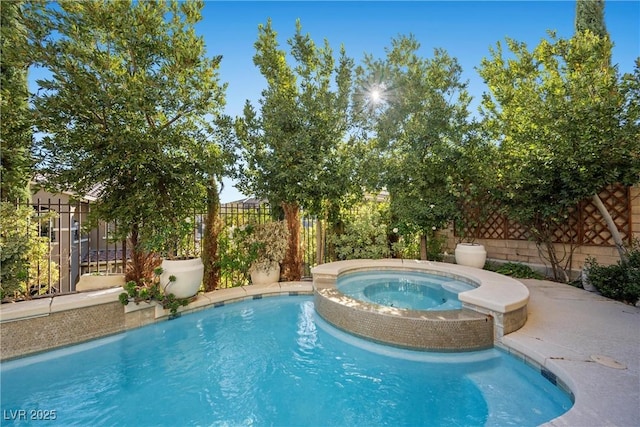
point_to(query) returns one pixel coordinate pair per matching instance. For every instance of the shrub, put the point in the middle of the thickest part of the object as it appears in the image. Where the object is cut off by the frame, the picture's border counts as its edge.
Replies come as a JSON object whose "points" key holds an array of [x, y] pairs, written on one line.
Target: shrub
{"points": [[24, 255], [517, 270], [620, 281], [364, 234], [152, 290]]}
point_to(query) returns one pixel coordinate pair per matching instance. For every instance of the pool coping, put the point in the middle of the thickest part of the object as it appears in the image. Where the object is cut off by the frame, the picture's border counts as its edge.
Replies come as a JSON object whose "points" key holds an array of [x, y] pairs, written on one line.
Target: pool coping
{"points": [[502, 298], [567, 326], [494, 292], [42, 307]]}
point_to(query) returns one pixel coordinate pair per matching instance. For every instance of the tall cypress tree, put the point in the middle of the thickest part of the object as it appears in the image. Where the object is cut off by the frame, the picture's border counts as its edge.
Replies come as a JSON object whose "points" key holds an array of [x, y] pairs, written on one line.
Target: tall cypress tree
{"points": [[590, 16]]}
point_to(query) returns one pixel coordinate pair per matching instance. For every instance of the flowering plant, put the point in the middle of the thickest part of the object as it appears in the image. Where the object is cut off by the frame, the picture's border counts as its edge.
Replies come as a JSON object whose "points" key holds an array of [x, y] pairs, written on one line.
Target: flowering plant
{"points": [[267, 243]]}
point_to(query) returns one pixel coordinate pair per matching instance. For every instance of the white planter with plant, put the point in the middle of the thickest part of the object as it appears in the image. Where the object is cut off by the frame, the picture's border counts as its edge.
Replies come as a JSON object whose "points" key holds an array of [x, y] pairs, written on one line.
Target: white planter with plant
{"points": [[471, 254], [264, 274], [188, 275], [268, 245]]}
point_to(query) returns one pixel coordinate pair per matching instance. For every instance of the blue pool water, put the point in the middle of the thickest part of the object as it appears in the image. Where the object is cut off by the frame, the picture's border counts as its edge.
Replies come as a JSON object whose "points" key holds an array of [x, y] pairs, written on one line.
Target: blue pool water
{"points": [[404, 289], [270, 362]]}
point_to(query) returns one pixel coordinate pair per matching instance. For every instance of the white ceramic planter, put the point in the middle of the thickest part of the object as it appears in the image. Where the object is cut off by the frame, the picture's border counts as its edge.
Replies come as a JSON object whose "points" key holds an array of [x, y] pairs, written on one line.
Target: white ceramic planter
{"points": [[262, 277], [471, 255], [189, 274]]}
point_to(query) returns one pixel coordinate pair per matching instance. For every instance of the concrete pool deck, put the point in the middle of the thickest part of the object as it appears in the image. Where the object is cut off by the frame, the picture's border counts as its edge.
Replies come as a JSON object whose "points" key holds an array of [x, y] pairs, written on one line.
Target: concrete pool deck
{"points": [[566, 327]]}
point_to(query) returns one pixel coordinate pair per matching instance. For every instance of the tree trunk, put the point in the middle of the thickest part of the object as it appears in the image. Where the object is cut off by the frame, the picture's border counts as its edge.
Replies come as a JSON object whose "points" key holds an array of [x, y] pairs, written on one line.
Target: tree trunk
{"points": [[292, 264], [140, 267], [611, 225], [320, 239], [423, 246], [210, 246]]}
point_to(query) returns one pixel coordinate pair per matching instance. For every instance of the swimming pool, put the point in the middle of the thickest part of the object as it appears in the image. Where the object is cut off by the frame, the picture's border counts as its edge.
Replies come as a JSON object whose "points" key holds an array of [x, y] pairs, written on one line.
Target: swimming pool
{"points": [[404, 289], [271, 361]]}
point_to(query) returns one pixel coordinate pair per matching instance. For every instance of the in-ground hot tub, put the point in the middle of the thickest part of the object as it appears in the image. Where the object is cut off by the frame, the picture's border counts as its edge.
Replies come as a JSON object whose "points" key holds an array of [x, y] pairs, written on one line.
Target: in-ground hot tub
{"points": [[410, 290], [489, 306]]}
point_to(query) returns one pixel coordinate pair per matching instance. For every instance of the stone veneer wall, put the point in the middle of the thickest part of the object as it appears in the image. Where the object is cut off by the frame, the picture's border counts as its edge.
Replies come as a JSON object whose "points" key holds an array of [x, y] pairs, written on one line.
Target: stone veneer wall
{"points": [[37, 334], [453, 330], [526, 252], [504, 323], [41, 325]]}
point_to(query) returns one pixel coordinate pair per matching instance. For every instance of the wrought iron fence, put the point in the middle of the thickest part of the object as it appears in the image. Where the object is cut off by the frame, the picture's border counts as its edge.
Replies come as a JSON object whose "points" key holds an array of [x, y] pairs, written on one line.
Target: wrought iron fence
{"points": [[74, 250]]}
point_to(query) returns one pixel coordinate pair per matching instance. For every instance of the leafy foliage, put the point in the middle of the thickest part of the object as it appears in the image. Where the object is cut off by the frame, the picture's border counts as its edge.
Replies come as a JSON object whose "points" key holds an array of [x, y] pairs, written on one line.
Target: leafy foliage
{"points": [[422, 121], [620, 281], [295, 147], [153, 290], [269, 242], [126, 107], [590, 16], [472, 182], [15, 132], [24, 255], [252, 246], [234, 260], [363, 233], [517, 270], [563, 130]]}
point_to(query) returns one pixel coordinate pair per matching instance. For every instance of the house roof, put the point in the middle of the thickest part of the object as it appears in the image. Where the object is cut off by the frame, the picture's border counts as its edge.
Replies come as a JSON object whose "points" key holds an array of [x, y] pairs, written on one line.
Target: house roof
{"points": [[247, 202]]}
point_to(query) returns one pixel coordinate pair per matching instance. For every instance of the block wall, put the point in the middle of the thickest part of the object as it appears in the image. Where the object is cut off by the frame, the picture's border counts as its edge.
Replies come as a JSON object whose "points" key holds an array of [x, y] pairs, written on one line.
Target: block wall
{"points": [[526, 252]]}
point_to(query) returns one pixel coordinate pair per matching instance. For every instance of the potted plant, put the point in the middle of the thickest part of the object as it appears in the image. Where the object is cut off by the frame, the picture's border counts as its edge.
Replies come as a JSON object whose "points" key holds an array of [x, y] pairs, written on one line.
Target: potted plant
{"points": [[467, 221], [467, 251], [180, 258], [267, 246], [153, 290]]}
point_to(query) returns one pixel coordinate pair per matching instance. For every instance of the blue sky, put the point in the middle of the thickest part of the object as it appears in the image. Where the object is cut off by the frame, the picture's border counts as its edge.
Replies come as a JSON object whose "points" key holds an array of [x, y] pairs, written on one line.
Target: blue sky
{"points": [[466, 29]]}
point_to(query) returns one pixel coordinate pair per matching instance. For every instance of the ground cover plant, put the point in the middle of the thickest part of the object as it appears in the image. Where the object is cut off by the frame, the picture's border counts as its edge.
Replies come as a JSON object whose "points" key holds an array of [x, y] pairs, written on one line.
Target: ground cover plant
{"points": [[514, 269]]}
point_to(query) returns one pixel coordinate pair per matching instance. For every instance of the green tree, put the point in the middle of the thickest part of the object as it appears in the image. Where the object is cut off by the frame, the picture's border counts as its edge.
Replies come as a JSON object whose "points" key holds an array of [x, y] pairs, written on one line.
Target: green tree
{"points": [[417, 131], [24, 255], [590, 16], [473, 181], [129, 105], [15, 129], [295, 149], [559, 116]]}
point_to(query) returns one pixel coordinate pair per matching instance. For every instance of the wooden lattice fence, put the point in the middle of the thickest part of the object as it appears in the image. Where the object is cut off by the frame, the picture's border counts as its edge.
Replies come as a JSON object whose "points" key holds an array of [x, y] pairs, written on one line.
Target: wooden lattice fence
{"points": [[584, 225]]}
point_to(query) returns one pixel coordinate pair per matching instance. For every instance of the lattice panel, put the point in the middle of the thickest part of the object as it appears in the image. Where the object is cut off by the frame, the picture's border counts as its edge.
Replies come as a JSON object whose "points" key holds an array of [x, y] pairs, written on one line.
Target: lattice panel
{"points": [[493, 228], [515, 231], [594, 228], [569, 231], [584, 224]]}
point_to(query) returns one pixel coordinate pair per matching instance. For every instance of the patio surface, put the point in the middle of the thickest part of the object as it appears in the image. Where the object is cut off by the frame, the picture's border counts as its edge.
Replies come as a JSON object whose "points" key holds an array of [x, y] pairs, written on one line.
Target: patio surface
{"points": [[592, 344]]}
